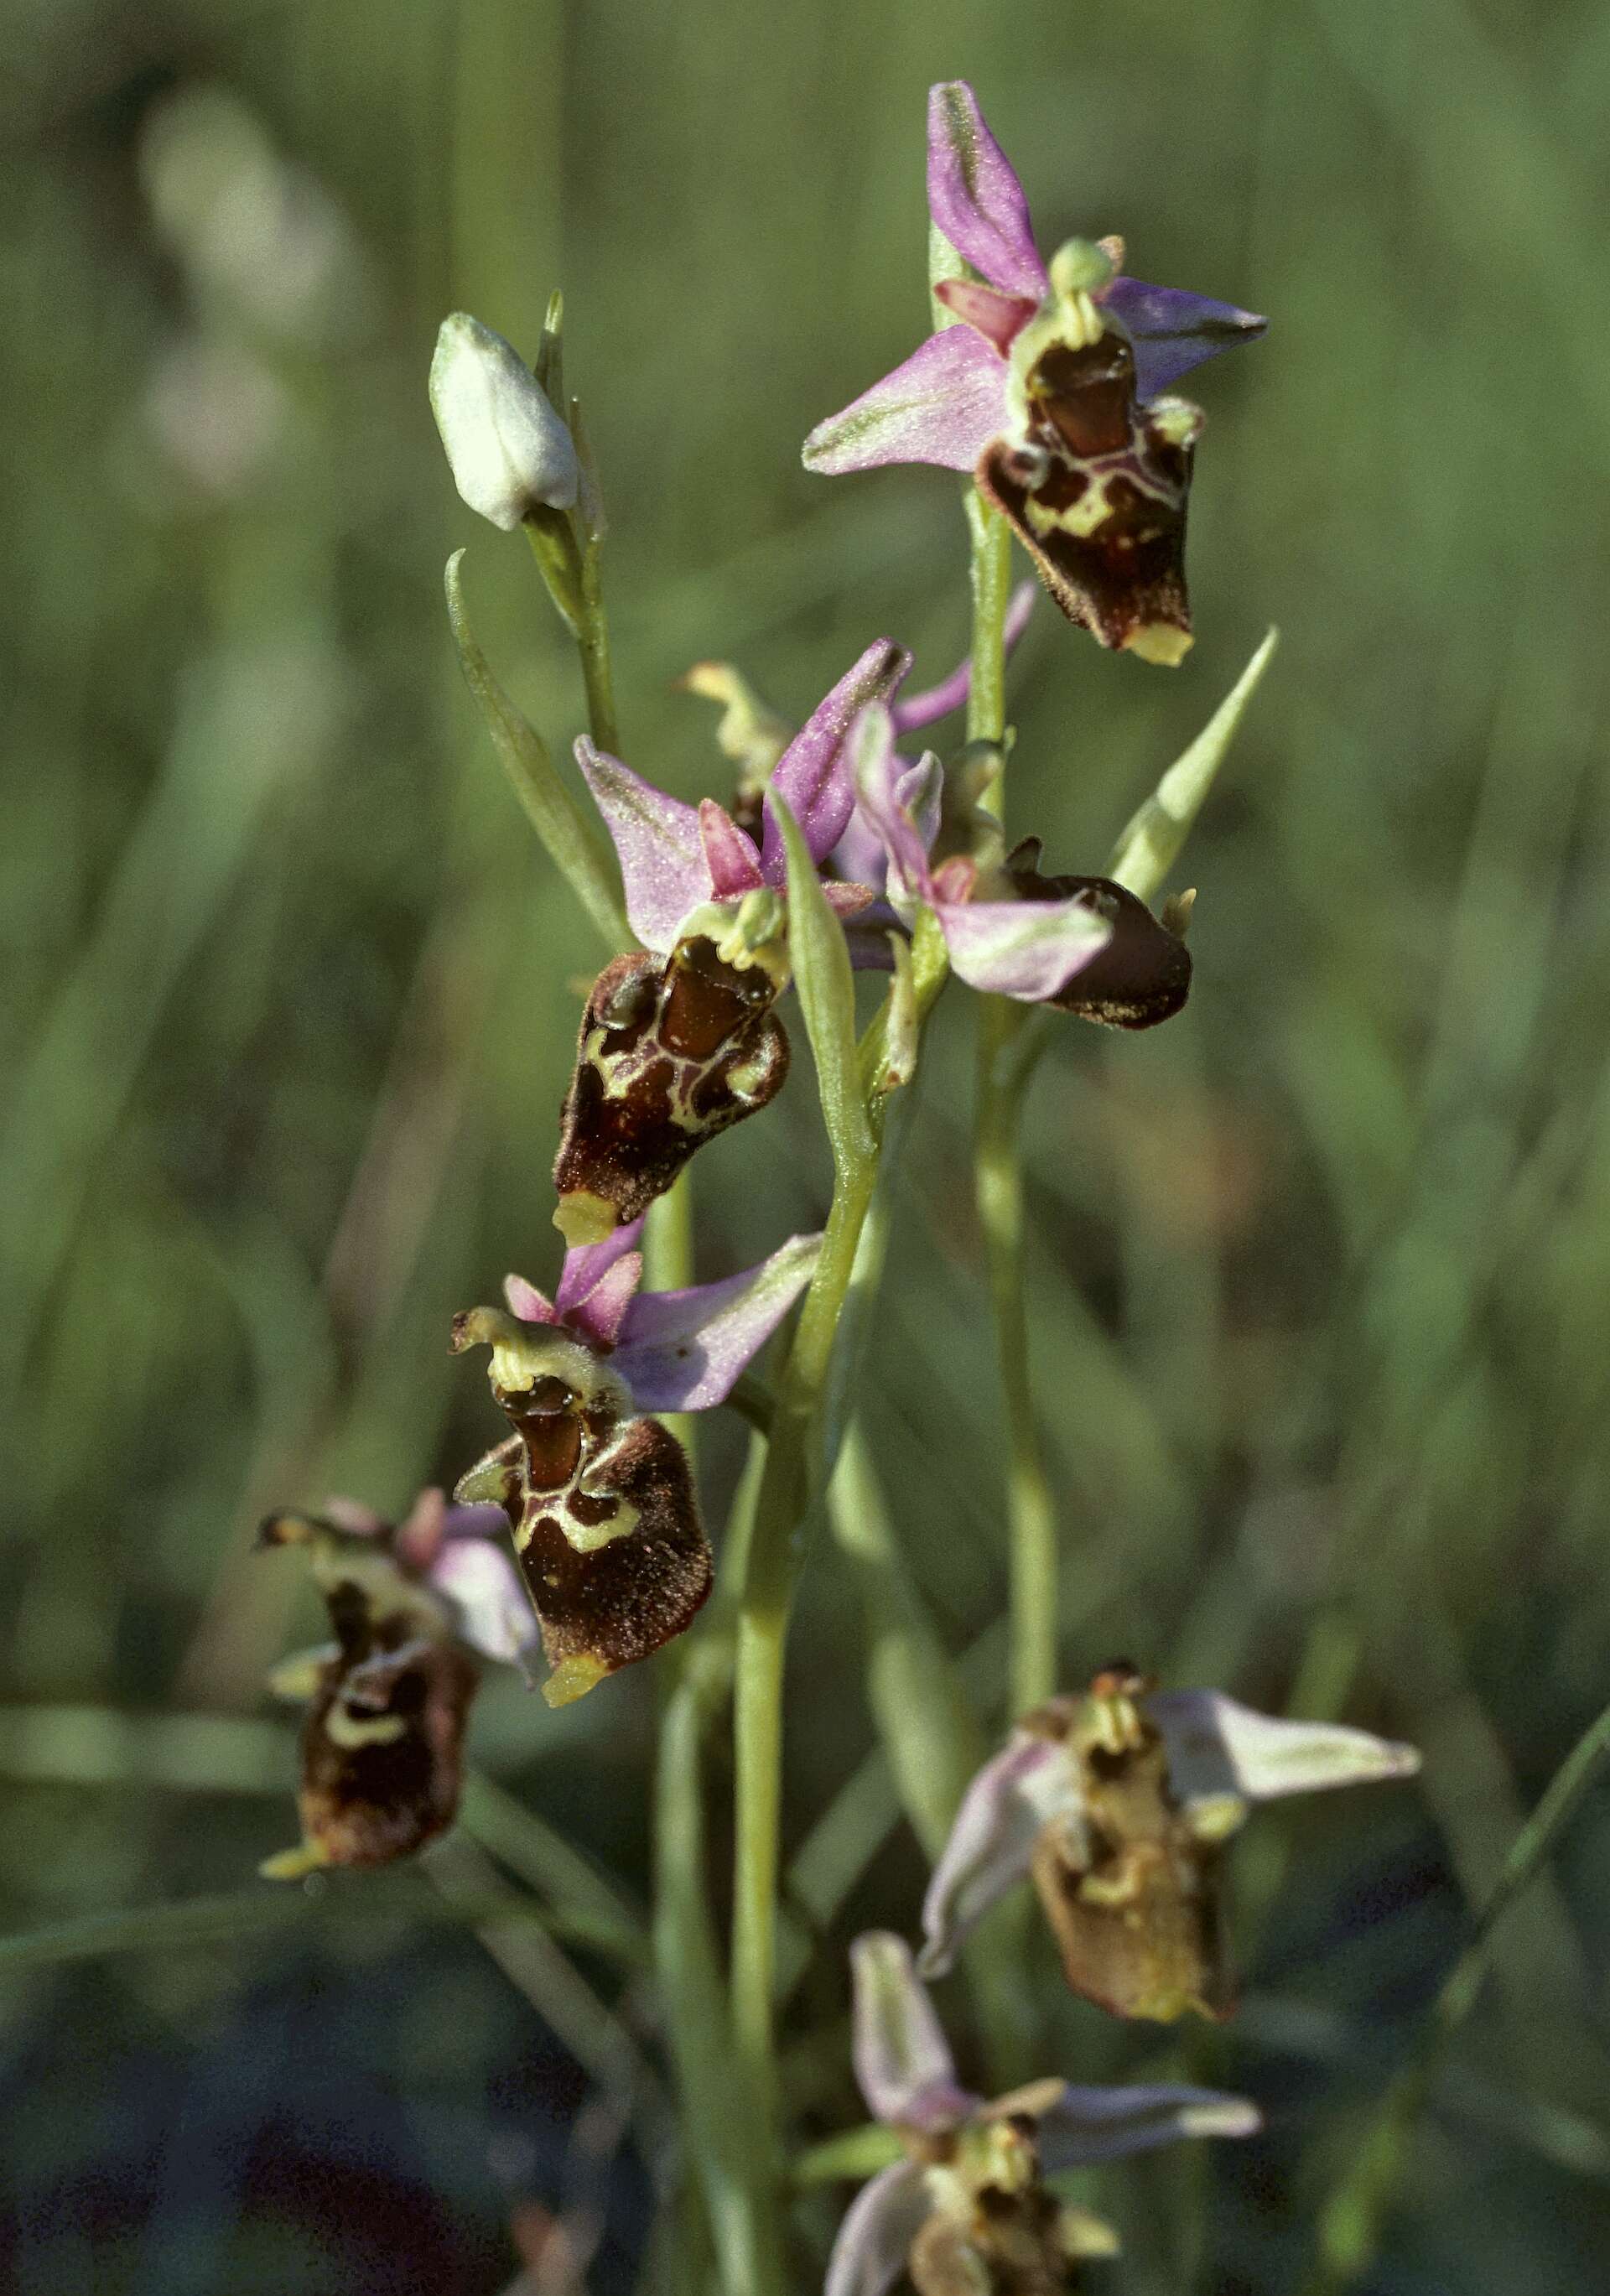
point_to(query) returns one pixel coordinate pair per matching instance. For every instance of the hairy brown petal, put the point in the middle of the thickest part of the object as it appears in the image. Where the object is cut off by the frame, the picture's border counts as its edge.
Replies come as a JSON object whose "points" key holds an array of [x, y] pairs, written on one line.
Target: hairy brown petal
{"points": [[672, 1051], [1097, 494]]}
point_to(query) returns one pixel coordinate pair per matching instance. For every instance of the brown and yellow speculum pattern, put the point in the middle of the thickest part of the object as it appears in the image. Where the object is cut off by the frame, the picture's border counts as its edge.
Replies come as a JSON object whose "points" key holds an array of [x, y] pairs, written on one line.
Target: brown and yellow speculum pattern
{"points": [[600, 1502], [382, 1743], [1096, 484], [672, 1051], [1133, 1891]]}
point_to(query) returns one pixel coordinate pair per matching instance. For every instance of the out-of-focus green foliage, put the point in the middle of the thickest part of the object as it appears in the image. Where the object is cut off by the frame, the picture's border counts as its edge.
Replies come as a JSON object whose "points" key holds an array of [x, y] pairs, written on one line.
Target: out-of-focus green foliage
{"points": [[1322, 1269]]}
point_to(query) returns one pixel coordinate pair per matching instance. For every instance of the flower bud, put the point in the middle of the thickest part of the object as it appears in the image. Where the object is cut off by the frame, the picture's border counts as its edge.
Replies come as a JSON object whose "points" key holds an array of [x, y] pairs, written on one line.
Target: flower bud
{"points": [[509, 451]]}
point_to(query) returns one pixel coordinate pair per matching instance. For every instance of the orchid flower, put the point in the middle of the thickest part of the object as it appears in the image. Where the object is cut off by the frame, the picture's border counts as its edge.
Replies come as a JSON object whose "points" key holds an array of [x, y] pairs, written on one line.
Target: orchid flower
{"points": [[1084, 944], [1118, 1805], [389, 1699], [599, 1498], [969, 2202], [1048, 382], [680, 1042]]}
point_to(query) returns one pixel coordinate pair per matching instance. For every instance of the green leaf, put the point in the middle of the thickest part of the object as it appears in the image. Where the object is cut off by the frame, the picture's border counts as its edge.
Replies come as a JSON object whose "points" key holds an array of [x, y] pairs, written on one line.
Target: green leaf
{"points": [[855, 2154], [826, 987], [575, 848], [1150, 846]]}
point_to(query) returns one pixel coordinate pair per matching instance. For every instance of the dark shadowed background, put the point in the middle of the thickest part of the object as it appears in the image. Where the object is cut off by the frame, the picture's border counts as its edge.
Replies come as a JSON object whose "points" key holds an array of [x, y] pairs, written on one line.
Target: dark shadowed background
{"points": [[1320, 1283]]}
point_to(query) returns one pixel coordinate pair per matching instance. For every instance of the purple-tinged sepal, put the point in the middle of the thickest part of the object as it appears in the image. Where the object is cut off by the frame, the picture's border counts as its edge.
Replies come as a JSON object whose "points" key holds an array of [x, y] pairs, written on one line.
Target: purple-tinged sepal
{"points": [[943, 405], [1026, 1789], [974, 198], [1219, 1751], [969, 2209], [600, 1501], [388, 1700], [1171, 329], [685, 1351]]}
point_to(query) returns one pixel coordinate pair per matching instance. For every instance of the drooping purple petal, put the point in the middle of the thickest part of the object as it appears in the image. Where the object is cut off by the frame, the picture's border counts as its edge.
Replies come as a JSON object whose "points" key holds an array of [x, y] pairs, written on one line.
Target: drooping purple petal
{"points": [[974, 197], [476, 1573], [846, 901], [812, 776], [586, 1265], [1030, 1784], [1217, 1747], [1026, 950], [942, 405], [662, 862], [1087, 2126], [597, 1315], [1173, 330], [918, 709], [683, 1351], [880, 2225], [902, 2059], [885, 787], [733, 864]]}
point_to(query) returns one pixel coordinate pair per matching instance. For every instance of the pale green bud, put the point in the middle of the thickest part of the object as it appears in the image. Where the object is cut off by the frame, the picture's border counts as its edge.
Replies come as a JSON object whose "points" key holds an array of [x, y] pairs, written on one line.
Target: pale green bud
{"points": [[510, 453]]}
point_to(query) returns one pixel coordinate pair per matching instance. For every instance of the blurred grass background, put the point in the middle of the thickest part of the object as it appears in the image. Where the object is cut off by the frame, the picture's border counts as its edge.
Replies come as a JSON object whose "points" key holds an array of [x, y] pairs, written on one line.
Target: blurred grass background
{"points": [[1320, 1295]]}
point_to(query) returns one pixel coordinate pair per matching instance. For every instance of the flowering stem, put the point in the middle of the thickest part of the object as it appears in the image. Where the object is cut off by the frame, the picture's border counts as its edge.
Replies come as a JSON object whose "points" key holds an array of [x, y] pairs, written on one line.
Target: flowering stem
{"points": [[1351, 2221], [1006, 1048], [570, 568]]}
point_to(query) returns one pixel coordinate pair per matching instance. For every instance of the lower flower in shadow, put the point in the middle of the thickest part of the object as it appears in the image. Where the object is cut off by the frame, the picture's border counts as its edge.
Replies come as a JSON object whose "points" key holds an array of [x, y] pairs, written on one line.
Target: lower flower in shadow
{"points": [[1118, 1805], [389, 1699], [968, 2210]]}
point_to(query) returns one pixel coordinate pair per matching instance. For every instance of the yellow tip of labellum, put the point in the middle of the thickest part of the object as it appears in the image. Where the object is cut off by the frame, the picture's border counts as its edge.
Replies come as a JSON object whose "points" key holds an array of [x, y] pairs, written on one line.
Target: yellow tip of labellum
{"points": [[294, 1865], [583, 1218], [573, 1678], [1160, 642]]}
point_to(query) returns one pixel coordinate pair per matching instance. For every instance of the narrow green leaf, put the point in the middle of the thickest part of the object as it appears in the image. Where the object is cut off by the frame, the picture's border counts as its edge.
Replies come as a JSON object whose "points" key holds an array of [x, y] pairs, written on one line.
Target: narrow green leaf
{"points": [[576, 850], [1150, 846], [826, 987]]}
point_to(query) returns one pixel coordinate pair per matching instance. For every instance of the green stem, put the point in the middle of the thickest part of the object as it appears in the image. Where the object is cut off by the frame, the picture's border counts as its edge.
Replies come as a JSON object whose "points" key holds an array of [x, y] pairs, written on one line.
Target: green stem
{"points": [[1006, 1061], [570, 568], [1351, 2221], [775, 1554]]}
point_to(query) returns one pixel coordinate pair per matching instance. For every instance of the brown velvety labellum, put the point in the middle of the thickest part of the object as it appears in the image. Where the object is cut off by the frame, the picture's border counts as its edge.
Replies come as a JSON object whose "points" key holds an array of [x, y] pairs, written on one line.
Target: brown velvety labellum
{"points": [[1144, 973], [622, 1601], [672, 1051], [1097, 494], [382, 1749]]}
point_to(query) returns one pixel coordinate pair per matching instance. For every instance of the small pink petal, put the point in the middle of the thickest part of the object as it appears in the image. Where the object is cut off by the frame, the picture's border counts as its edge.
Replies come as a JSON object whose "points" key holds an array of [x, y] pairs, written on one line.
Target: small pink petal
{"points": [[733, 864], [944, 405], [526, 1301], [881, 782], [974, 197], [420, 1534], [999, 318], [586, 1263], [597, 1316]]}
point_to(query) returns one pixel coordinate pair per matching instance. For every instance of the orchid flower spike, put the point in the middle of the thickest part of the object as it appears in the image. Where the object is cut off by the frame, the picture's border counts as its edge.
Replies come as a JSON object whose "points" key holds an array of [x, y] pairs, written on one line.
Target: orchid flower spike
{"points": [[508, 449], [968, 2207], [389, 1699], [1048, 382], [1118, 1804], [599, 1498], [680, 1042], [1083, 944]]}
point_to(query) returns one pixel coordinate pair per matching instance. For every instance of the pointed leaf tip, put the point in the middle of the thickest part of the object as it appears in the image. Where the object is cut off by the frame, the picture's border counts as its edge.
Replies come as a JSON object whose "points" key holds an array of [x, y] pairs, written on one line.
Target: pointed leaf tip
{"points": [[1152, 841]]}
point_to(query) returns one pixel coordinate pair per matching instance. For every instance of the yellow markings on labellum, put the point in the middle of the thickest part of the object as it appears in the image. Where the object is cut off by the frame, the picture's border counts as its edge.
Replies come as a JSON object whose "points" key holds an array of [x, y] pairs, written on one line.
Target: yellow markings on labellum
{"points": [[573, 1677], [349, 1731], [587, 1537], [1159, 642], [295, 1865], [583, 1218]]}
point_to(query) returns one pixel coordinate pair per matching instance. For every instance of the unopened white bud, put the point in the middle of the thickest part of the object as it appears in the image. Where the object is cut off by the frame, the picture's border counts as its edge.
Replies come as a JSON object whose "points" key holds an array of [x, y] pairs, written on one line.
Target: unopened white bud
{"points": [[508, 449]]}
